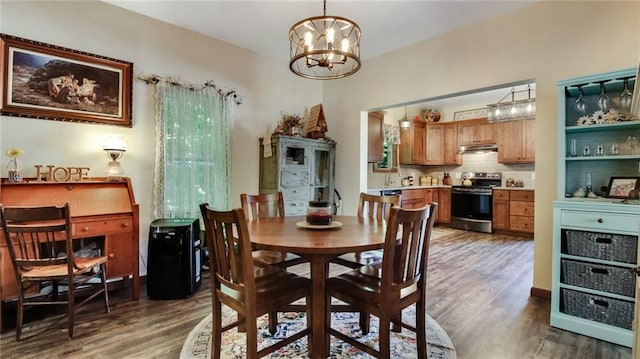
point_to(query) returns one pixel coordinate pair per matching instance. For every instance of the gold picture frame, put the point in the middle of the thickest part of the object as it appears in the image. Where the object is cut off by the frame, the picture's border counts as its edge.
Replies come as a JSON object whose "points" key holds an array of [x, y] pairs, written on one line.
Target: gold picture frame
{"points": [[44, 81]]}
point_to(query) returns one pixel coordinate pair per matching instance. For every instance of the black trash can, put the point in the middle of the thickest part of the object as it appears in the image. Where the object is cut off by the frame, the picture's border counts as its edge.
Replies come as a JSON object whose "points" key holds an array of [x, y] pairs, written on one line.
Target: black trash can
{"points": [[174, 268]]}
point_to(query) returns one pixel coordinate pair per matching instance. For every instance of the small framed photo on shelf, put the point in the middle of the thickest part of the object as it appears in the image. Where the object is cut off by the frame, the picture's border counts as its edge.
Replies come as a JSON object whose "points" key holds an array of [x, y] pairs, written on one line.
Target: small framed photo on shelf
{"points": [[621, 187]]}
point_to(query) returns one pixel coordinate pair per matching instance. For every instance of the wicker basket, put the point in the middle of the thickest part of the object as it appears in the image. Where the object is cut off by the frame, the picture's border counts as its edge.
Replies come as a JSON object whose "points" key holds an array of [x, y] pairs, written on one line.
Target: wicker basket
{"points": [[612, 247], [618, 313], [618, 280]]}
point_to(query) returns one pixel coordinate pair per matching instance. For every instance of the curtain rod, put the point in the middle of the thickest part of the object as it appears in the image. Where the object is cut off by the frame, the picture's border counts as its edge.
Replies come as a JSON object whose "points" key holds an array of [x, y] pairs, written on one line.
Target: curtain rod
{"points": [[153, 79]]}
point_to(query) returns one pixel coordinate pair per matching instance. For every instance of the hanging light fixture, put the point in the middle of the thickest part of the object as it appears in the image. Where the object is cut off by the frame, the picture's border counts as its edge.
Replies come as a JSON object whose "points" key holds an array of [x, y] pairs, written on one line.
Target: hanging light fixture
{"points": [[325, 47], [513, 110]]}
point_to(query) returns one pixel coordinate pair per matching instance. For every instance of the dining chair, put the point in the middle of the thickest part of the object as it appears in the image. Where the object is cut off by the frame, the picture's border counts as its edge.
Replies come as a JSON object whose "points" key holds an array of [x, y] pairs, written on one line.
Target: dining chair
{"points": [[376, 208], [249, 290], [42, 254], [397, 284], [268, 206]]}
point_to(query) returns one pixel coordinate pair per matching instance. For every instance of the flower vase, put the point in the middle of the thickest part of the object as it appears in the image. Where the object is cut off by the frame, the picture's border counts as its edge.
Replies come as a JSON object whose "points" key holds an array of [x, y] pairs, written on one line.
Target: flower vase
{"points": [[14, 172]]}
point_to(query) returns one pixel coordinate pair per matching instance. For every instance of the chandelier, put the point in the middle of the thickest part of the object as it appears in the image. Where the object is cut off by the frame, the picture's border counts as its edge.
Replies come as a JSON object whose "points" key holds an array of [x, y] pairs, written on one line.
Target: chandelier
{"points": [[513, 110], [324, 47]]}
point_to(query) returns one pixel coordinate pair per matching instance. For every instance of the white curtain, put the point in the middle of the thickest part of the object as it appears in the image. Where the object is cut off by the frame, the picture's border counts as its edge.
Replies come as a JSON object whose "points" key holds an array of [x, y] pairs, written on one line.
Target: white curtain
{"points": [[192, 163]]}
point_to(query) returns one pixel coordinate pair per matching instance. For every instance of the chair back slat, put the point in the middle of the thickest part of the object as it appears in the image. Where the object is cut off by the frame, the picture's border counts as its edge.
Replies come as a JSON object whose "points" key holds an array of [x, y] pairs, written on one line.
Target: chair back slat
{"points": [[406, 248], [229, 246], [259, 206], [376, 207], [31, 234]]}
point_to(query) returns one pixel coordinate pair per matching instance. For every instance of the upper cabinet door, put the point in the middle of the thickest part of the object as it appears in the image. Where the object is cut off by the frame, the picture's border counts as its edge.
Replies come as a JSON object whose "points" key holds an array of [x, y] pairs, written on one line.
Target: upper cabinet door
{"points": [[375, 137], [476, 132]]}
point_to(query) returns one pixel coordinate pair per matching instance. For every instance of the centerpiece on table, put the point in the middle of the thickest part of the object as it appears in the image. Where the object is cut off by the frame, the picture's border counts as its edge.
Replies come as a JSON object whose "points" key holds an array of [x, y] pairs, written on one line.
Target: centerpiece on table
{"points": [[319, 213]]}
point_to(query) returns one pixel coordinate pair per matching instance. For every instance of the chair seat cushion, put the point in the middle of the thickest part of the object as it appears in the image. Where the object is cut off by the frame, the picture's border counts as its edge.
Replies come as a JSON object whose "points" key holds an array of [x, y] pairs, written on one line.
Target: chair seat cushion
{"points": [[363, 283]]}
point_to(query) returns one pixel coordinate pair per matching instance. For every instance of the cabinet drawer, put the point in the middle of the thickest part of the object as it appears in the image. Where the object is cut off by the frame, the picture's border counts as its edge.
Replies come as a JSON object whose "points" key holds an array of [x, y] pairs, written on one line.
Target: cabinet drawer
{"points": [[412, 194], [612, 279], [295, 178], [525, 196], [295, 193], [500, 194], [521, 224], [599, 221], [606, 246], [295, 208], [616, 312], [517, 208], [102, 227]]}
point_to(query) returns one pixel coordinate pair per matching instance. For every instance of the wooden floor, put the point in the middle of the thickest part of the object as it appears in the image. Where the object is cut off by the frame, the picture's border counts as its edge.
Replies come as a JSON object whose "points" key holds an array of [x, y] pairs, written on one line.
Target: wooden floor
{"points": [[479, 292]]}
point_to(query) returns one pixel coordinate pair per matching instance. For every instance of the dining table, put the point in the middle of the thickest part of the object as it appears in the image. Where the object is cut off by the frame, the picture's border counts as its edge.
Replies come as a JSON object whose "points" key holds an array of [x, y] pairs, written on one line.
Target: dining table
{"points": [[318, 244]]}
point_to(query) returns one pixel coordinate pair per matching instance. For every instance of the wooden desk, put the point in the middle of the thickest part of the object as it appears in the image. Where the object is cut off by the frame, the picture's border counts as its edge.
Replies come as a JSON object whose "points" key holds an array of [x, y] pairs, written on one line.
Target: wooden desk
{"points": [[99, 209], [319, 246]]}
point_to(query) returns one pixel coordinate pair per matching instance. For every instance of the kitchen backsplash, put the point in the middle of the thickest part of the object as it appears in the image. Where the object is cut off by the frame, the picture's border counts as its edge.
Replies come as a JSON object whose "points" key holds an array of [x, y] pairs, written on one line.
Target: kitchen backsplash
{"points": [[472, 162]]}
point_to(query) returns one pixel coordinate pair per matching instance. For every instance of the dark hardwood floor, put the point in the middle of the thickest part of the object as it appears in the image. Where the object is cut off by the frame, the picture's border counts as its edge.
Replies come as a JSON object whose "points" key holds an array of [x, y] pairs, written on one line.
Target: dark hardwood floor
{"points": [[478, 291]]}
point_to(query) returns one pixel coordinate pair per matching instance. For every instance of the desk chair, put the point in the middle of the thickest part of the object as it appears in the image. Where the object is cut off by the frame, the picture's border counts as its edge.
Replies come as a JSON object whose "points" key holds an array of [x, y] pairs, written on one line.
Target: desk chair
{"points": [[35, 237], [250, 291], [397, 284]]}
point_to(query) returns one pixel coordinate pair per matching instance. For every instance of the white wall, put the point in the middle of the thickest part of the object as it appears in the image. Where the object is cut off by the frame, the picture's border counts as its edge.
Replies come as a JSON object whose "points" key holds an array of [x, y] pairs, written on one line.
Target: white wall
{"points": [[547, 41], [266, 85]]}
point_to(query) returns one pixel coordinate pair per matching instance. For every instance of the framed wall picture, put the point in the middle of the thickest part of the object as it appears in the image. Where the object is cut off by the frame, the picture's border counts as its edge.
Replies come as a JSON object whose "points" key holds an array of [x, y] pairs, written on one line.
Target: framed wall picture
{"points": [[470, 114], [44, 81], [620, 187]]}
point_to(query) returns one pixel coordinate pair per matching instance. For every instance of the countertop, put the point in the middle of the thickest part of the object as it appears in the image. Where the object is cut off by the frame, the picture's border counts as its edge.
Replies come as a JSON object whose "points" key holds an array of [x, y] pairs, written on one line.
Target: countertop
{"points": [[378, 189]]}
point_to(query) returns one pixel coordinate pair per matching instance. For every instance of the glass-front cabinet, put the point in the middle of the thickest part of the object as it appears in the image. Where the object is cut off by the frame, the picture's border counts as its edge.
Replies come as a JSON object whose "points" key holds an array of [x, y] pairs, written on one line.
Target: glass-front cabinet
{"points": [[302, 169], [595, 234]]}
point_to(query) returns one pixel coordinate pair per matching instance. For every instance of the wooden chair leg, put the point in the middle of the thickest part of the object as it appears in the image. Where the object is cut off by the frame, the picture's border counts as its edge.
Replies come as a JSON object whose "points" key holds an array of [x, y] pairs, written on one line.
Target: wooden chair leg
{"points": [[327, 320], [70, 308], [365, 320], [385, 336], [216, 328], [273, 322], [103, 278], [421, 328], [20, 313]]}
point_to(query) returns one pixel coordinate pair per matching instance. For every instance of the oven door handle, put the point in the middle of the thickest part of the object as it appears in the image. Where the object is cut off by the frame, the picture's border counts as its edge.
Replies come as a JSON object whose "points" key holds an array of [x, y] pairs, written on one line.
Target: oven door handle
{"points": [[472, 193]]}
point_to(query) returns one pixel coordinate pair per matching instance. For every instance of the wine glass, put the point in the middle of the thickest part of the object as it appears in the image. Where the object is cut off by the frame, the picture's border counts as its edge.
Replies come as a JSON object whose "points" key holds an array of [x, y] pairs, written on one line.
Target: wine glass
{"points": [[632, 141], [603, 99], [581, 104], [625, 97]]}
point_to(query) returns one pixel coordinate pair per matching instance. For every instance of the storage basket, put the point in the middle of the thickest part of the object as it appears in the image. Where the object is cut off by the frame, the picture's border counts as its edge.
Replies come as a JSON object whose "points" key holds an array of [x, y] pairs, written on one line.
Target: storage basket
{"points": [[612, 279], [607, 246], [618, 313]]}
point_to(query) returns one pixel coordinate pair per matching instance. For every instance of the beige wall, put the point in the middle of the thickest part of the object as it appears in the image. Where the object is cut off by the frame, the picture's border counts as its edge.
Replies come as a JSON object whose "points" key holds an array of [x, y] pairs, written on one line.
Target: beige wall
{"points": [[547, 41], [266, 85]]}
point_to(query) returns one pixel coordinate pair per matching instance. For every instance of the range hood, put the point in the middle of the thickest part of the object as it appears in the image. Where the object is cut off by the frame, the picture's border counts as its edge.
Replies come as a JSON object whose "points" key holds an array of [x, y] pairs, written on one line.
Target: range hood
{"points": [[478, 148]]}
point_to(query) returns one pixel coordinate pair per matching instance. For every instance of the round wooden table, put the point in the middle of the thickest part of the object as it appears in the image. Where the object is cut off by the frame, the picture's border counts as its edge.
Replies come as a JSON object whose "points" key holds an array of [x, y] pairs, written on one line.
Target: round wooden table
{"points": [[320, 246]]}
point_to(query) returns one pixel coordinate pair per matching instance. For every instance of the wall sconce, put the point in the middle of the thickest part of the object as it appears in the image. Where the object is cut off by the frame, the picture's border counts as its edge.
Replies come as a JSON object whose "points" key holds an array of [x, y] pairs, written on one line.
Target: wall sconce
{"points": [[115, 147]]}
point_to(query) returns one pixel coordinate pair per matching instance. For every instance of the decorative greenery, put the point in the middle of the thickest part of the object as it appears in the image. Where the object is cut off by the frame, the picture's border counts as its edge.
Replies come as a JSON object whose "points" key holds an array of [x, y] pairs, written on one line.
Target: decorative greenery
{"points": [[290, 125]]}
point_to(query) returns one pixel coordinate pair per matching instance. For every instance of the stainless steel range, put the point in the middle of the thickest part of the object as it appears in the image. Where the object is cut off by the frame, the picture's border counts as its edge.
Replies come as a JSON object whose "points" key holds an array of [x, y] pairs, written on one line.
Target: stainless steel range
{"points": [[472, 201]]}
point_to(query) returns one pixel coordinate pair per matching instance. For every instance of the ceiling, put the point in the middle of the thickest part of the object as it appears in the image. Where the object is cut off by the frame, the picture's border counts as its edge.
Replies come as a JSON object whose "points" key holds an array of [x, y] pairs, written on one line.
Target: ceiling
{"points": [[263, 26]]}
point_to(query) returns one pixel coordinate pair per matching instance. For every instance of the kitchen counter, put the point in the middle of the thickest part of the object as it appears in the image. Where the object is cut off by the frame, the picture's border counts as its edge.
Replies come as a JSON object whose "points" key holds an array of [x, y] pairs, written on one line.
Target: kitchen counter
{"points": [[516, 188], [391, 188]]}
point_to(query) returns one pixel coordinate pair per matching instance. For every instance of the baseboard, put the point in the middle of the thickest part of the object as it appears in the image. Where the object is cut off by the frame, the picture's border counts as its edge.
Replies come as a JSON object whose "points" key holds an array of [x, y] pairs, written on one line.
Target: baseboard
{"points": [[540, 293]]}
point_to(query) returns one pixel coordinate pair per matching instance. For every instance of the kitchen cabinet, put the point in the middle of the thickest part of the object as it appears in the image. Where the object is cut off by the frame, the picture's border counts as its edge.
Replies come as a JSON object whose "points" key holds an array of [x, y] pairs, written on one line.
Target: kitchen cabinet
{"points": [[594, 242], [375, 137], [500, 217], [413, 144], [444, 206], [521, 211], [302, 169], [450, 135], [516, 141], [435, 144], [476, 132], [413, 198]]}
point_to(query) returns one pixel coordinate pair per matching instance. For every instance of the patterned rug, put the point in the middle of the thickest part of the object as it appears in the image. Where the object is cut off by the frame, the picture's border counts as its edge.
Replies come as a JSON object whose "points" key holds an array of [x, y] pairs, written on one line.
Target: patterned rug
{"points": [[197, 345]]}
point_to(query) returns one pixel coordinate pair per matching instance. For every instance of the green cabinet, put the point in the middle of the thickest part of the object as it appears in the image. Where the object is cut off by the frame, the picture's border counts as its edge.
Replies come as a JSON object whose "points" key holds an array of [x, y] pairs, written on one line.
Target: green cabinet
{"points": [[595, 239], [302, 169]]}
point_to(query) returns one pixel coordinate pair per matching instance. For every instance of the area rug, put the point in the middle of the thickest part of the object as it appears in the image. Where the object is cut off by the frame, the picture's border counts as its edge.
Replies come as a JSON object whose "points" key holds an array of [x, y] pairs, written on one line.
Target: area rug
{"points": [[198, 346]]}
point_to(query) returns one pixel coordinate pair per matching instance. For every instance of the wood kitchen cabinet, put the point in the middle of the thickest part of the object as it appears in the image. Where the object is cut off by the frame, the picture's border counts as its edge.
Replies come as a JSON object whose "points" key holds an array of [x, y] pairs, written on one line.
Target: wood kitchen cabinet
{"points": [[413, 198], [500, 218], [513, 210], [444, 205], [516, 141], [476, 132], [450, 139], [375, 137], [413, 144], [435, 144]]}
